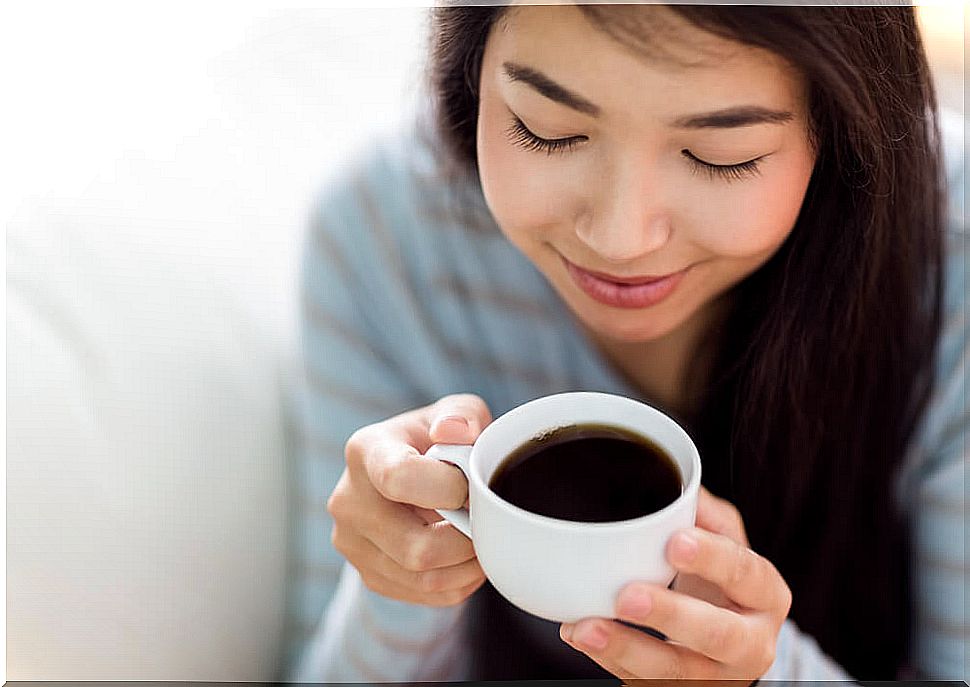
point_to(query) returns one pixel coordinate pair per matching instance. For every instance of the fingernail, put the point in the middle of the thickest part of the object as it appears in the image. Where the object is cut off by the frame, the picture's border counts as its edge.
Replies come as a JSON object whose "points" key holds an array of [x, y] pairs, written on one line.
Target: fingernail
{"points": [[566, 632], [458, 421], [635, 601], [590, 637], [685, 547]]}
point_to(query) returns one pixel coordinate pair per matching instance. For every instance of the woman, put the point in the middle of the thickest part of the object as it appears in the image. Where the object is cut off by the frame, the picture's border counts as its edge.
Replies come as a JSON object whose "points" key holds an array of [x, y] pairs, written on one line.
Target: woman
{"points": [[734, 214]]}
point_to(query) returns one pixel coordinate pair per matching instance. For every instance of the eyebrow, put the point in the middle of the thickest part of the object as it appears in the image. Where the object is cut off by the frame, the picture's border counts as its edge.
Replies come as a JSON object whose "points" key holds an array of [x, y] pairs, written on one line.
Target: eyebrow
{"points": [[549, 88], [728, 118], [734, 117]]}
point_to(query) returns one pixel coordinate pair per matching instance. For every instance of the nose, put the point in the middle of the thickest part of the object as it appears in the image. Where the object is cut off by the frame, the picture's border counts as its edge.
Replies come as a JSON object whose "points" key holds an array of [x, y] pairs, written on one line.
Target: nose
{"points": [[629, 222]]}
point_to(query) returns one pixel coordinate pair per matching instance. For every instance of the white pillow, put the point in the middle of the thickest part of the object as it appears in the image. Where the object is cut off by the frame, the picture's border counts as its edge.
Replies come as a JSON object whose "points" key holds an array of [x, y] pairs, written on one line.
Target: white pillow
{"points": [[150, 324], [146, 354]]}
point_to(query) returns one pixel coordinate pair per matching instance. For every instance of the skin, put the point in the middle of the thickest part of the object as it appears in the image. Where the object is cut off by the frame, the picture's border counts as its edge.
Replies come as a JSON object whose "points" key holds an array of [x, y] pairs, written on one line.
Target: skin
{"points": [[625, 200]]}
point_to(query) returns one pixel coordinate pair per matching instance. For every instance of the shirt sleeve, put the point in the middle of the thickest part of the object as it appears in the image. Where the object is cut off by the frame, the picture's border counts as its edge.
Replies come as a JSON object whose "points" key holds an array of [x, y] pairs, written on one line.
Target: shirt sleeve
{"points": [[340, 631], [941, 638], [799, 657], [940, 576], [941, 632]]}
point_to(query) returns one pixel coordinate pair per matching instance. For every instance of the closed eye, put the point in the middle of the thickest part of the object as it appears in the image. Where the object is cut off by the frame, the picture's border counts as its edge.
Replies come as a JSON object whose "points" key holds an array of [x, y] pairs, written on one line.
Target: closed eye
{"points": [[520, 135], [735, 172]]}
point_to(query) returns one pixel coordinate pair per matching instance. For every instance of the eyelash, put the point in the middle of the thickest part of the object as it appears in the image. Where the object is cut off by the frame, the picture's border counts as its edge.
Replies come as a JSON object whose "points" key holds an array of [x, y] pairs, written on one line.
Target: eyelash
{"points": [[520, 135], [738, 172]]}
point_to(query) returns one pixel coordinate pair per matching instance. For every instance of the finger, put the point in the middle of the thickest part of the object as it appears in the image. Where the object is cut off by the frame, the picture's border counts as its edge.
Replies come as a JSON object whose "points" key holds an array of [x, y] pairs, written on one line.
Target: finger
{"points": [[394, 590], [407, 534], [692, 585], [720, 516], [745, 577], [457, 419], [718, 633], [401, 474], [630, 653], [413, 544], [566, 631], [364, 555], [413, 427]]}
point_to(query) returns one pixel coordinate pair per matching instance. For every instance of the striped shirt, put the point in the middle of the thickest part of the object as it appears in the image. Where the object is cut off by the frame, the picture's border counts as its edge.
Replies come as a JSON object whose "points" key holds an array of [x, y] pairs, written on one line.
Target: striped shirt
{"points": [[409, 295]]}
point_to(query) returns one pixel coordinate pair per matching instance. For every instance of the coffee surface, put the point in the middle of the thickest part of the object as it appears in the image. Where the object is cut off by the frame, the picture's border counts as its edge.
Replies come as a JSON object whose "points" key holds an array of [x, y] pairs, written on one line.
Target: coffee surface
{"points": [[588, 473]]}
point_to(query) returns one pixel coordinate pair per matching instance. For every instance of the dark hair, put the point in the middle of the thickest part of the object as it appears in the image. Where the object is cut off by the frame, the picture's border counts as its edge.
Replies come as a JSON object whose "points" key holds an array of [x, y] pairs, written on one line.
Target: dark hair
{"points": [[827, 359]]}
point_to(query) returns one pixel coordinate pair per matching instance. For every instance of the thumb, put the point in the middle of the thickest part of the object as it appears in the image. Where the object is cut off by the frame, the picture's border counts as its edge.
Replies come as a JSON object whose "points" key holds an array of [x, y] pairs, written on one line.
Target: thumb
{"points": [[458, 419]]}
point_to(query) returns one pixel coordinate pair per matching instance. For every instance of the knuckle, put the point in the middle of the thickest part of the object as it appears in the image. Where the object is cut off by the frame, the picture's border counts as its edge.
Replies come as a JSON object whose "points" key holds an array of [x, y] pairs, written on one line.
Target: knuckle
{"points": [[333, 503], [336, 540], [356, 447], [336, 502], [395, 476], [786, 600], [762, 655]]}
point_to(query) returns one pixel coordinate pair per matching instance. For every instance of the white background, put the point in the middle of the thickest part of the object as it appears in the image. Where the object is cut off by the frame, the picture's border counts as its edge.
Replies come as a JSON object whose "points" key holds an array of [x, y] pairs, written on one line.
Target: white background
{"points": [[200, 132]]}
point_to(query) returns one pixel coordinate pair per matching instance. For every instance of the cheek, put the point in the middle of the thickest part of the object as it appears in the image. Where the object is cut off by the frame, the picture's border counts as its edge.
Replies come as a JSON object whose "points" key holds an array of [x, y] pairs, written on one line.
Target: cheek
{"points": [[755, 221], [525, 191]]}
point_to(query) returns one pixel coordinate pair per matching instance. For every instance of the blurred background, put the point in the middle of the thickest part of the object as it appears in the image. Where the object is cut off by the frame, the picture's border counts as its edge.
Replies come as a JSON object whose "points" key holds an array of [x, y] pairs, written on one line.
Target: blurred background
{"points": [[158, 163]]}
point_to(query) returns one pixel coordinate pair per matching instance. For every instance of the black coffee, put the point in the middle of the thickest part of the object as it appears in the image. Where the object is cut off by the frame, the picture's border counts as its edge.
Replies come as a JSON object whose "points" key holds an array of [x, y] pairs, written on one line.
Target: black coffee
{"points": [[588, 473]]}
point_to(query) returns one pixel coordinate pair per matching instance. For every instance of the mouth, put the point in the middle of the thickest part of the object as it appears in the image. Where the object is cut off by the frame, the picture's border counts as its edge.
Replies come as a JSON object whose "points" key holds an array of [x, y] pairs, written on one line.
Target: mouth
{"points": [[626, 281], [625, 291]]}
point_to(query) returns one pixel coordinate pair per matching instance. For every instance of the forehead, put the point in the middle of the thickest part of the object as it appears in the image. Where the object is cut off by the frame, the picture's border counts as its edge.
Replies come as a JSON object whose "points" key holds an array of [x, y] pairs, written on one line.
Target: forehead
{"points": [[642, 55]]}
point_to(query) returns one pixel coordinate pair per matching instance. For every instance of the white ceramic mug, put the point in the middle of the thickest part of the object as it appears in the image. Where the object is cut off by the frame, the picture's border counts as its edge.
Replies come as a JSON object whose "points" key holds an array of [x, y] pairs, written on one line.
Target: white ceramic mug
{"points": [[562, 570]]}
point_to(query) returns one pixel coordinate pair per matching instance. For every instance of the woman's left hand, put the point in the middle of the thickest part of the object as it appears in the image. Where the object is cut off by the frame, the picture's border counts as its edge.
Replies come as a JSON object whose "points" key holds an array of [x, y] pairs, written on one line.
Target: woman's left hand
{"points": [[721, 618]]}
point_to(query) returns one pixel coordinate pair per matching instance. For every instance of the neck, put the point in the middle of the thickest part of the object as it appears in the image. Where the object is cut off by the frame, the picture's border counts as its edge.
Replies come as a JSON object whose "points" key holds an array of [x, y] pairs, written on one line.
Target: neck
{"points": [[663, 369]]}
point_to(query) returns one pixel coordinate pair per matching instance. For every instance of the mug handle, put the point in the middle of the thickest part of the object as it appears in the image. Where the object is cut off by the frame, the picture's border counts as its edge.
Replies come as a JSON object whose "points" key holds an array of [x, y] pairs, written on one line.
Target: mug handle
{"points": [[458, 455]]}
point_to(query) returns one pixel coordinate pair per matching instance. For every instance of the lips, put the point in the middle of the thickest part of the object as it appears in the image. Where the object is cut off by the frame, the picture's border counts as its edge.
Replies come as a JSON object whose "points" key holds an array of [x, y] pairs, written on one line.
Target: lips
{"points": [[624, 292], [629, 281]]}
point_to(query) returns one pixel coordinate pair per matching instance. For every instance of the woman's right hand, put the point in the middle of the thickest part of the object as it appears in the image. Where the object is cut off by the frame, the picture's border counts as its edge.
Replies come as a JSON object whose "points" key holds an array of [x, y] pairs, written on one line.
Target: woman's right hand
{"points": [[382, 505]]}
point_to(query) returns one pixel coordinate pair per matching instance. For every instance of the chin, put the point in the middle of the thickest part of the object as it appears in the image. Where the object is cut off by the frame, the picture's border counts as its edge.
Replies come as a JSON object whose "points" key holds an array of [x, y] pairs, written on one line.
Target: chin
{"points": [[629, 327]]}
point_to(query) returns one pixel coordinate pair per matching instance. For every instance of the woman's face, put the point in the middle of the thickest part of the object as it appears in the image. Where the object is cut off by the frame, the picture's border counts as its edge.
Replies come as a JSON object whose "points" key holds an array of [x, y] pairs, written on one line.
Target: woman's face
{"points": [[693, 164]]}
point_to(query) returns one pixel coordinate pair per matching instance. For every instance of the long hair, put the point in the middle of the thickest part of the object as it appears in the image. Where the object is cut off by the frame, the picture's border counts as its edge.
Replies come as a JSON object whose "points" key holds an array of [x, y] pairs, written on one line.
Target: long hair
{"points": [[826, 362]]}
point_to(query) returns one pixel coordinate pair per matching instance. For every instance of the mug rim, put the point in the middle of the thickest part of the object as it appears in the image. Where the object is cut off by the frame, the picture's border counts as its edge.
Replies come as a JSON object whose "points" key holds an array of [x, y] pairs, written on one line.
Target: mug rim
{"points": [[692, 486]]}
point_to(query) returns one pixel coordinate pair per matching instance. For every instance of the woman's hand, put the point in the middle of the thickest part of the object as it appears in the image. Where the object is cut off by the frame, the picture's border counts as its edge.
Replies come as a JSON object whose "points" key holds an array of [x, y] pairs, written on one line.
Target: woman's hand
{"points": [[722, 617], [382, 505]]}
